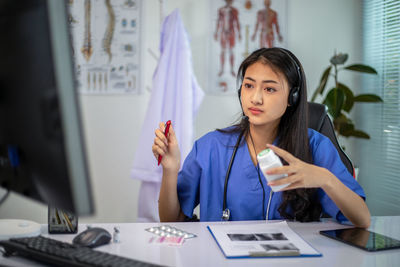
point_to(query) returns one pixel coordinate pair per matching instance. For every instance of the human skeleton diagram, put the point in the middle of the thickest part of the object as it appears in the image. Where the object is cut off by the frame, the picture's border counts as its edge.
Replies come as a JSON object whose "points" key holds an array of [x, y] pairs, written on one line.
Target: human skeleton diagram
{"points": [[87, 49], [227, 27], [267, 19], [108, 35]]}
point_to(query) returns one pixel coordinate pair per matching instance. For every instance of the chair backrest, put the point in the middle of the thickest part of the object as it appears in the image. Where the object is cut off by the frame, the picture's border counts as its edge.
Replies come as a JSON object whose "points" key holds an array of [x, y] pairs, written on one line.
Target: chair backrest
{"points": [[319, 120]]}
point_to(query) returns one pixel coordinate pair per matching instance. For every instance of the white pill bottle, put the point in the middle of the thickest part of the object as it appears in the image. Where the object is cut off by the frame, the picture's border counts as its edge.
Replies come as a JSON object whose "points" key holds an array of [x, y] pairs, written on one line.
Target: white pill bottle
{"points": [[267, 160]]}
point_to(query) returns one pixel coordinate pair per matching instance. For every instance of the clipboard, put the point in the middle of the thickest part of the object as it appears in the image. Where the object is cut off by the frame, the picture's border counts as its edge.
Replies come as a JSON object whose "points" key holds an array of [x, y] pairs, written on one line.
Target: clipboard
{"points": [[265, 240]]}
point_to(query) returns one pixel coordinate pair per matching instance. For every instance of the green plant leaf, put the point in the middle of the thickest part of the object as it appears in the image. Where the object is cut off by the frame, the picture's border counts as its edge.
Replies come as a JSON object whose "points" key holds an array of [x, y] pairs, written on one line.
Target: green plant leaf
{"points": [[339, 59], [348, 129], [334, 101], [349, 97], [367, 98], [361, 68], [342, 122], [358, 134], [322, 83]]}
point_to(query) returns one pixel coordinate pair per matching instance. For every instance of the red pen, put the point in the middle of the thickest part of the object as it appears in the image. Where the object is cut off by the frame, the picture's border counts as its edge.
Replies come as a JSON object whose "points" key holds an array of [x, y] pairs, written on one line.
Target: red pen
{"points": [[166, 135]]}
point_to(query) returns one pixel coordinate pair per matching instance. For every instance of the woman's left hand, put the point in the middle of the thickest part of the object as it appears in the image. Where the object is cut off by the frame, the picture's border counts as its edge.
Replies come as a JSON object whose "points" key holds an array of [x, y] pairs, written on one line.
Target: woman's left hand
{"points": [[300, 174]]}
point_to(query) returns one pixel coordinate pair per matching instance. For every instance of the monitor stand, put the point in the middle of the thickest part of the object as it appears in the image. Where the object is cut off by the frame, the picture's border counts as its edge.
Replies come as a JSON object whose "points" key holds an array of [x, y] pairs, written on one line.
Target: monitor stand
{"points": [[18, 228]]}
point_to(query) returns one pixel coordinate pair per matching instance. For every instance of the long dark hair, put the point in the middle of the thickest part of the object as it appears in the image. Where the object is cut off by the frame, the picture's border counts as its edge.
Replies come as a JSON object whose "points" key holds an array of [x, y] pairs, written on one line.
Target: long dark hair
{"points": [[292, 129]]}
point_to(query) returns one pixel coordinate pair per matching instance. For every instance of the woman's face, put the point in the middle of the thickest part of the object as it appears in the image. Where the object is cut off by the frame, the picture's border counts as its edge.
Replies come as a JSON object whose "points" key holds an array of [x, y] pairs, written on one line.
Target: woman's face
{"points": [[264, 95]]}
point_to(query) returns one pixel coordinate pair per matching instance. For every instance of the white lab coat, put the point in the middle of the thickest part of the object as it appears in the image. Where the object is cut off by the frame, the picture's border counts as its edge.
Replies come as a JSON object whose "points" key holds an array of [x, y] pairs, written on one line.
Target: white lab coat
{"points": [[175, 96]]}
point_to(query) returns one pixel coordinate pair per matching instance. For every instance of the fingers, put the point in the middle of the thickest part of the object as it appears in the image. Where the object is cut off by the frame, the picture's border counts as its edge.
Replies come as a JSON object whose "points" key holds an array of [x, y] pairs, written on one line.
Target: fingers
{"points": [[300, 174], [284, 154], [160, 146], [171, 133], [161, 126], [292, 177], [294, 181], [160, 136], [287, 180], [162, 142], [157, 151], [281, 170]]}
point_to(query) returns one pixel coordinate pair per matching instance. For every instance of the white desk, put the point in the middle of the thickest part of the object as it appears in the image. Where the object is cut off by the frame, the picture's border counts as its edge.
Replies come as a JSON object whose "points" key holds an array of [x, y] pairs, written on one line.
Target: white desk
{"points": [[203, 250]]}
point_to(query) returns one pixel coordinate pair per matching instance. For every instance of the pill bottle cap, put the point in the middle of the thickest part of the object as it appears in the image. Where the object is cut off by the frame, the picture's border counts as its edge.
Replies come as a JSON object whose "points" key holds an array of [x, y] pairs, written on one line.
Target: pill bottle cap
{"points": [[266, 155], [264, 152]]}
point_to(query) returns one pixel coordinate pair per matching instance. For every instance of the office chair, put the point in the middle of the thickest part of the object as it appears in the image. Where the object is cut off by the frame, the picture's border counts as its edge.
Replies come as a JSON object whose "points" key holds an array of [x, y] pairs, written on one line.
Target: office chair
{"points": [[319, 120]]}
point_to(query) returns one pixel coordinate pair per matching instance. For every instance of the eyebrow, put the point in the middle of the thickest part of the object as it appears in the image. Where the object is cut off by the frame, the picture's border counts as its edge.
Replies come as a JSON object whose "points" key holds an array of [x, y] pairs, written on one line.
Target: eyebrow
{"points": [[264, 81]]}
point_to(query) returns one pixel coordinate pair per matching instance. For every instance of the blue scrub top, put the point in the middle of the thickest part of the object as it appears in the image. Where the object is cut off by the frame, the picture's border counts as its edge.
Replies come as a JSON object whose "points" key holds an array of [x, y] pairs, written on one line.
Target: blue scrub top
{"points": [[201, 180]]}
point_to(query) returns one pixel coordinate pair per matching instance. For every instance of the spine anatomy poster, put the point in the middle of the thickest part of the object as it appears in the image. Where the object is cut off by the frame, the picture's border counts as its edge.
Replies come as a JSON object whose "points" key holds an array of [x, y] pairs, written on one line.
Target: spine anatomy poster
{"points": [[238, 27], [106, 45]]}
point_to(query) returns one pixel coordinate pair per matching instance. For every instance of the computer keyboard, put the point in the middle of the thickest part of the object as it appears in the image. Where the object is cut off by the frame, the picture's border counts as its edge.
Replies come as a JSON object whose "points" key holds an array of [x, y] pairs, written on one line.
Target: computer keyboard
{"points": [[57, 253]]}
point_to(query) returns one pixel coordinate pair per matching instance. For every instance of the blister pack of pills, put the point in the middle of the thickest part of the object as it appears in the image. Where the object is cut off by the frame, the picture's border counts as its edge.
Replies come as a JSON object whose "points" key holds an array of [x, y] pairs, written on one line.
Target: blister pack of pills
{"points": [[169, 231]]}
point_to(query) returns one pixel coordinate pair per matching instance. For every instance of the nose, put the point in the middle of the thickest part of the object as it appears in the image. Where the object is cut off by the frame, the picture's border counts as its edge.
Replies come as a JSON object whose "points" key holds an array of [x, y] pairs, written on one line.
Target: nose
{"points": [[257, 97]]}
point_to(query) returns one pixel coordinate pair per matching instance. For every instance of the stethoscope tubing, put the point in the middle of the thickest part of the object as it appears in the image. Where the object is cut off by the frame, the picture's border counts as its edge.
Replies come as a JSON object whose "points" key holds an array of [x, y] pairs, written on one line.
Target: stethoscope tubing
{"points": [[225, 211]]}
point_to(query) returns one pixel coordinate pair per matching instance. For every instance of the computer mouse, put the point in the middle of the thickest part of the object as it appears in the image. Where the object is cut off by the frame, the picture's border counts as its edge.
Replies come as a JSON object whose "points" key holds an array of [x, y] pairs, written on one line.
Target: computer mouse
{"points": [[92, 237]]}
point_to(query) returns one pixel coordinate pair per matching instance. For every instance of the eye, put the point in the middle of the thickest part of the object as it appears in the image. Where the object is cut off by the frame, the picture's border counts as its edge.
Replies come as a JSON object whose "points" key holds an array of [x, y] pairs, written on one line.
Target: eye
{"points": [[270, 89], [247, 85]]}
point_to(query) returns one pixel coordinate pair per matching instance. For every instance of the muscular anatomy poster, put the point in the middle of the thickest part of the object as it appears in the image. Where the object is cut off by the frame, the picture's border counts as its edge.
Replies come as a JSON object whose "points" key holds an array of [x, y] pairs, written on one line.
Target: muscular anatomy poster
{"points": [[237, 28], [106, 46]]}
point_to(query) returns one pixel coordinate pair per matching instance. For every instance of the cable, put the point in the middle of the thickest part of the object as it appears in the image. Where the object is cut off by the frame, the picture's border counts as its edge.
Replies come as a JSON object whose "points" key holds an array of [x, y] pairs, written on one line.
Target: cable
{"points": [[4, 197], [269, 203], [259, 177], [225, 211]]}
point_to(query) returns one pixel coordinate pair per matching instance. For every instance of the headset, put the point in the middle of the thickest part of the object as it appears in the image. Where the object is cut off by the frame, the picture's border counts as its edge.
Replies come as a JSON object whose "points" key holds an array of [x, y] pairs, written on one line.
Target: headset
{"points": [[294, 92], [293, 99]]}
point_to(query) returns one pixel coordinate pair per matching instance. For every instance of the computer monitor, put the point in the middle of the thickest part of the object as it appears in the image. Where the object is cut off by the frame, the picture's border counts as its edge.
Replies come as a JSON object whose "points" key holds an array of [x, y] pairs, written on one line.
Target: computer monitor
{"points": [[42, 151]]}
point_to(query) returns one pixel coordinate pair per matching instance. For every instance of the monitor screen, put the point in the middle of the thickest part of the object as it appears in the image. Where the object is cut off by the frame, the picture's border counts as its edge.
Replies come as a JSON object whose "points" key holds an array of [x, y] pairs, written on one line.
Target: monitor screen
{"points": [[42, 152]]}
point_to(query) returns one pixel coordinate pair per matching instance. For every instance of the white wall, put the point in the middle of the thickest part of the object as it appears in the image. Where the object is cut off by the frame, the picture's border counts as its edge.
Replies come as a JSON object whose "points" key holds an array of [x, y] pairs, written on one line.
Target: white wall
{"points": [[113, 123]]}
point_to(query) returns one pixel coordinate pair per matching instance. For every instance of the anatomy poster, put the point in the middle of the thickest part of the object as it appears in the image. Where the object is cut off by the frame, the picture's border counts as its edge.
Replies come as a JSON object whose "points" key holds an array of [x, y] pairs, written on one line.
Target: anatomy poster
{"points": [[106, 38], [237, 28]]}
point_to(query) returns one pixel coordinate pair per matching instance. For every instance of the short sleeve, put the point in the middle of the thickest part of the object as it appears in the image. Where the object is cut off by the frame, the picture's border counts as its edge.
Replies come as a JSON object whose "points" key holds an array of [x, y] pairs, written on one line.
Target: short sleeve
{"points": [[325, 155], [188, 183]]}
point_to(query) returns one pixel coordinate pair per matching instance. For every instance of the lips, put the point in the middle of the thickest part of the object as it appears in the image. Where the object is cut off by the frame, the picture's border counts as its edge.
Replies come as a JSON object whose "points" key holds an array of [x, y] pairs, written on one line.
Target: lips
{"points": [[255, 111]]}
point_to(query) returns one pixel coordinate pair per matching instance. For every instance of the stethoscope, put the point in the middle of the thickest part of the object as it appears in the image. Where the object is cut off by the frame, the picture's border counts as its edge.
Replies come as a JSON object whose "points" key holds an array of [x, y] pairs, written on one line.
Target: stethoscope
{"points": [[293, 99], [226, 213]]}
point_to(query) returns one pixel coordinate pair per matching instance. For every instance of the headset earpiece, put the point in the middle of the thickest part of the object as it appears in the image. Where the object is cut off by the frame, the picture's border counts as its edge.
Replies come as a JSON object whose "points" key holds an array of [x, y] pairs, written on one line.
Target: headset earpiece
{"points": [[240, 100], [294, 96], [294, 93]]}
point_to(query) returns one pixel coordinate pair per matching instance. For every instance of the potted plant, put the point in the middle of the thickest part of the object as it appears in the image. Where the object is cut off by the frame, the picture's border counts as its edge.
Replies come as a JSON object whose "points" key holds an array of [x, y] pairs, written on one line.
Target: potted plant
{"points": [[340, 99]]}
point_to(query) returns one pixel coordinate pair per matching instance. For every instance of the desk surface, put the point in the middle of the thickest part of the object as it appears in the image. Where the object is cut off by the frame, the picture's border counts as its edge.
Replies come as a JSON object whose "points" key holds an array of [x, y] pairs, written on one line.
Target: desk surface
{"points": [[203, 250]]}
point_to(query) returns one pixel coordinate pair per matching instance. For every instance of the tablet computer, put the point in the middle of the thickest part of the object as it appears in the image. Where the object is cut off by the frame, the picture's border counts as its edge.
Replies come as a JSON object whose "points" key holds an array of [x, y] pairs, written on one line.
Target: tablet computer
{"points": [[363, 239]]}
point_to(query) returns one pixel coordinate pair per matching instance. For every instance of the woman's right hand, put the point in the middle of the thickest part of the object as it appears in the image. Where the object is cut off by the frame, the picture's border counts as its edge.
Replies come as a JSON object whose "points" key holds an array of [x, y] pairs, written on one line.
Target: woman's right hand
{"points": [[168, 148]]}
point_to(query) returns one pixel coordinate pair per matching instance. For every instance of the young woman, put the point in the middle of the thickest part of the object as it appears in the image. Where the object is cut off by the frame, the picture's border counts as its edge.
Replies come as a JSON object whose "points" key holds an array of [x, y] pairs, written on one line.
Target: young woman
{"points": [[273, 96]]}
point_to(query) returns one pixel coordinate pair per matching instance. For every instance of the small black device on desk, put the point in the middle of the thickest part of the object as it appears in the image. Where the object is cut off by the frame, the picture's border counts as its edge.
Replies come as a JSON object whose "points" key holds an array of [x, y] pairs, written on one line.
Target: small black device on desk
{"points": [[363, 239], [92, 237], [57, 253]]}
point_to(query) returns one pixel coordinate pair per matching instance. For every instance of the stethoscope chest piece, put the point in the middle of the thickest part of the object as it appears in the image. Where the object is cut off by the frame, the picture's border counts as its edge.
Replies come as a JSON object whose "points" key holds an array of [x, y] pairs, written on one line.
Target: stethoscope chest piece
{"points": [[226, 213]]}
